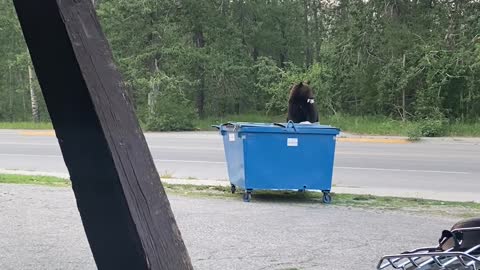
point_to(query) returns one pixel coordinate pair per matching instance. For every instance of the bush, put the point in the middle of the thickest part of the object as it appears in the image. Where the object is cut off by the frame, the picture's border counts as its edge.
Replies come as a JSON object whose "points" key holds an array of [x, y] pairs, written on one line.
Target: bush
{"points": [[432, 127], [414, 134], [429, 123], [170, 110], [428, 128], [169, 122]]}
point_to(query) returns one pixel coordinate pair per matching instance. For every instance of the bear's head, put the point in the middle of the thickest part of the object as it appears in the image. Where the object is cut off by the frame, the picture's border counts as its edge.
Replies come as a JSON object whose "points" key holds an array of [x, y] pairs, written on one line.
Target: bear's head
{"points": [[302, 93]]}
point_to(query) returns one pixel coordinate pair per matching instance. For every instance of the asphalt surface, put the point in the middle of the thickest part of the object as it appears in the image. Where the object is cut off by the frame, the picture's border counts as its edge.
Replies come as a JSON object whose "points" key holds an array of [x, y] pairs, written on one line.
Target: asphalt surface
{"points": [[439, 168], [41, 230]]}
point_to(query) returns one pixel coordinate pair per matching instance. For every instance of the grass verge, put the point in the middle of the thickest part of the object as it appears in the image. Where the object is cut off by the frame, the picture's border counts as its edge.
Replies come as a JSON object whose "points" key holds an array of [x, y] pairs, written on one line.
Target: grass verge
{"points": [[33, 180], [364, 125], [25, 125], [469, 129], [442, 208], [206, 123], [371, 125], [352, 124]]}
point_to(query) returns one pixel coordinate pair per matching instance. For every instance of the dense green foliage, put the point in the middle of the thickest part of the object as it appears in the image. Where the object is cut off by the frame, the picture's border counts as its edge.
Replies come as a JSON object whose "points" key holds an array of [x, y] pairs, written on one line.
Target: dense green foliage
{"points": [[15, 102], [181, 59]]}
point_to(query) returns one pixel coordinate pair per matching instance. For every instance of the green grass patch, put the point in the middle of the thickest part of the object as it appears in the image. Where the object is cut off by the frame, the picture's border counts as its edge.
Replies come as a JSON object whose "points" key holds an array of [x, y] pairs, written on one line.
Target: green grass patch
{"points": [[352, 124], [442, 208], [166, 174], [453, 209], [464, 129], [25, 125], [33, 180], [363, 125], [370, 125], [206, 123]]}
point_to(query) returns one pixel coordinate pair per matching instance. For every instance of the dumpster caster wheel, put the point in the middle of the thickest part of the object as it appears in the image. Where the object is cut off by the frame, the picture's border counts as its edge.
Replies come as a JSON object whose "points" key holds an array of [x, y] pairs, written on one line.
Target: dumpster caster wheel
{"points": [[327, 198], [247, 196], [233, 188]]}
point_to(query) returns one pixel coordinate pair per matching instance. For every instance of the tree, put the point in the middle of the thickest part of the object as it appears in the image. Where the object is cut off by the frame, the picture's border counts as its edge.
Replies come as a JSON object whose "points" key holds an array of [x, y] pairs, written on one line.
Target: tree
{"points": [[400, 59]]}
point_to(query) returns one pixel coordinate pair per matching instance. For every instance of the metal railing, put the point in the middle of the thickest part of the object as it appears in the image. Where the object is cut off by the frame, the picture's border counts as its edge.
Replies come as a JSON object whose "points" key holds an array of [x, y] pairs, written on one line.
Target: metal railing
{"points": [[432, 258]]}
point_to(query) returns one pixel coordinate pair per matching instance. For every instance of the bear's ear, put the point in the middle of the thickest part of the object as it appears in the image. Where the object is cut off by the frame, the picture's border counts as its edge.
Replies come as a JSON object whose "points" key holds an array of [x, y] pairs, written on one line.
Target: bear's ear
{"points": [[306, 82], [300, 84]]}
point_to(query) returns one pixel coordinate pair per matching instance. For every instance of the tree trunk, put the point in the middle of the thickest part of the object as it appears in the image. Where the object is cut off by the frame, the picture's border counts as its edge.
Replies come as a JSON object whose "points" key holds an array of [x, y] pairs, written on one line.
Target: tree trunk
{"points": [[255, 54], [284, 49], [404, 109], [95, 3], [255, 51], [199, 42], [33, 96], [308, 46], [11, 93], [24, 115], [152, 95], [316, 33]]}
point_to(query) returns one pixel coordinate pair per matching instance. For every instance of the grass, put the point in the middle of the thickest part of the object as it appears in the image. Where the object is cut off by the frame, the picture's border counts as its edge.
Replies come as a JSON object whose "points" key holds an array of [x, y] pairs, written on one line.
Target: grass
{"points": [[371, 125], [454, 209], [25, 125], [206, 123], [442, 208], [352, 124], [469, 129], [33, 180], [364, 125], [166, 174]]}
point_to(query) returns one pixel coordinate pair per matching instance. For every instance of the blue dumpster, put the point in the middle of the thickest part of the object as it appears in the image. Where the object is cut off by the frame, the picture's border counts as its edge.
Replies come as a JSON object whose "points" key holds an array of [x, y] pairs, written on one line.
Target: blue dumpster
{"points": [[279, 156]]}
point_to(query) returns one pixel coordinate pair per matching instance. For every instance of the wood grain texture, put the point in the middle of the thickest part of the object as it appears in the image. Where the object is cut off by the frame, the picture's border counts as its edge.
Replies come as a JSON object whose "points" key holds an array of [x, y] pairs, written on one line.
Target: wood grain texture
{"points": [[125, 211]]}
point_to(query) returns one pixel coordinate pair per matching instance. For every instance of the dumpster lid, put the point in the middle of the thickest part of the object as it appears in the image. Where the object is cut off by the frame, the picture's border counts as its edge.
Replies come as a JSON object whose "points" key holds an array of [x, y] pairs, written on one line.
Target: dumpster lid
{"points": [[290, 127]]}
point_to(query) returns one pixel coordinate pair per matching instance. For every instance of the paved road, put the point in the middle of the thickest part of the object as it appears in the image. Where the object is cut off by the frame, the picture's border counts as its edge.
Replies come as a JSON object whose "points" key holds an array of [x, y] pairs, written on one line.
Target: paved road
{"points": [[41, 230], [446, 168]]}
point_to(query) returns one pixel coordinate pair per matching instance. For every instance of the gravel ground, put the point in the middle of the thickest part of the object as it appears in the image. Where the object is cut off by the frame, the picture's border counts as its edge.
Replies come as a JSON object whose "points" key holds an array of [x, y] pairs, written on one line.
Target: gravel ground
{"points": [[40, 229]]}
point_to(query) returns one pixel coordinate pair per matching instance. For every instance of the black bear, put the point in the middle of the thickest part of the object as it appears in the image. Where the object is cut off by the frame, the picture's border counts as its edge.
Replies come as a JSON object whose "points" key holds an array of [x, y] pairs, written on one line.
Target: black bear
{"points": [[301, 104]]}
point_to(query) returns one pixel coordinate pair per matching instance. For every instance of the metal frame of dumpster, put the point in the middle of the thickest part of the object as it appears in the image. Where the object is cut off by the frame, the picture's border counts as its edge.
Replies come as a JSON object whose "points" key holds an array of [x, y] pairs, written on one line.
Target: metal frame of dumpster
{"points": [[278, 156]]}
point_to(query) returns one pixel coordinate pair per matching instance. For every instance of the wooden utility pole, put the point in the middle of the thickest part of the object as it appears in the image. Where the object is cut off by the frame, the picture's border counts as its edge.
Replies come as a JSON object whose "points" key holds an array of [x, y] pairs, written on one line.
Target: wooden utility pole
{"points": [[124, 209]]}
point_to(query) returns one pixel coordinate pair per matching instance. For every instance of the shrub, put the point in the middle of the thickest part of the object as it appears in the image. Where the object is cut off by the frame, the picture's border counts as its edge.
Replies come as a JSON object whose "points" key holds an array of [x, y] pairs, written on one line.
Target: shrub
{"points": [[169, 109], [432, 127], [428, 128]]}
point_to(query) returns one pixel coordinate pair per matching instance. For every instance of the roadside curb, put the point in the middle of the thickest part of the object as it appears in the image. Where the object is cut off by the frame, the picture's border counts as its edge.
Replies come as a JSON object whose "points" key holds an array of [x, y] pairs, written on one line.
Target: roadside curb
{"points": [[37, 133], [373, 140]]}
